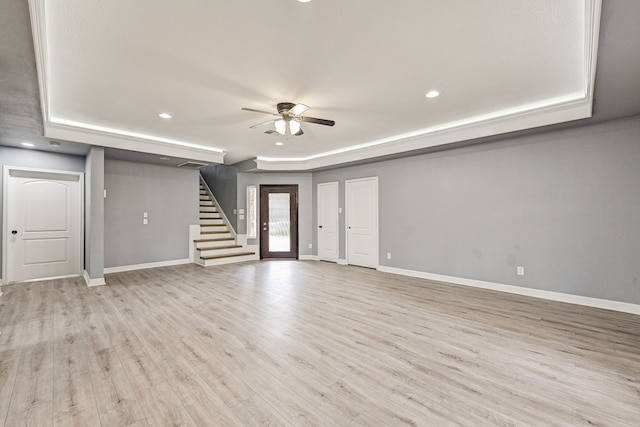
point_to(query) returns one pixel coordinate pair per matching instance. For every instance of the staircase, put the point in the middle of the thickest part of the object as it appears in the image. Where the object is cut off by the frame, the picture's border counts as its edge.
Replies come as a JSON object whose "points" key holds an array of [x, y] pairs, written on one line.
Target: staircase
{"points": [[217, 242]]}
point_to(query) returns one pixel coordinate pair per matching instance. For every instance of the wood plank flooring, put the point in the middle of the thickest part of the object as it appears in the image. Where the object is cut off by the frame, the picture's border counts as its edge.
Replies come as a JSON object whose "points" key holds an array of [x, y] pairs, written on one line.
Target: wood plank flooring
{"points": [[295, 343]]}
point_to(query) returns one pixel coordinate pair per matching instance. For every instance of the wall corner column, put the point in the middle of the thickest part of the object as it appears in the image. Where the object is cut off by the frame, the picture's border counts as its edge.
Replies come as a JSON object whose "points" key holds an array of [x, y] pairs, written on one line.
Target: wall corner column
{"points": [[94, 218]]}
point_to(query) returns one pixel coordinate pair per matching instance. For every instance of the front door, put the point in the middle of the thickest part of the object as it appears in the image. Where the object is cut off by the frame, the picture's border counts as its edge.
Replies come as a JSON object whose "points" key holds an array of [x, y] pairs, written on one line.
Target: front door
{"points": [[362, 221], [43, 228], [278, 221]]}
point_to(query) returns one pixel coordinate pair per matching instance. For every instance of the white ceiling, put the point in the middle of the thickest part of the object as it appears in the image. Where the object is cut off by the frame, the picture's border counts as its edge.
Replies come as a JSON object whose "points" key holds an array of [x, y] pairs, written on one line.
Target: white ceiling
{"points": [[108, 68]]}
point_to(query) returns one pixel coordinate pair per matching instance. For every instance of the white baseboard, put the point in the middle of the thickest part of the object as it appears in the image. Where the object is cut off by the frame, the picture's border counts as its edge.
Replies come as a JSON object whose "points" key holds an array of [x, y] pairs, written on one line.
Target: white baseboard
{"points": [[99, 281], [536, 293], [305, 257], [124, 268], [342, 262]]}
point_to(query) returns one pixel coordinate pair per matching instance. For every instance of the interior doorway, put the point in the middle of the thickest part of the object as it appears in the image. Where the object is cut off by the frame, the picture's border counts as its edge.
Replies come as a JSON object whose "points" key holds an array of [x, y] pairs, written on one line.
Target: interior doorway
{"points": [[328, 221], [43, 217], [278, 221], [361, 197]]}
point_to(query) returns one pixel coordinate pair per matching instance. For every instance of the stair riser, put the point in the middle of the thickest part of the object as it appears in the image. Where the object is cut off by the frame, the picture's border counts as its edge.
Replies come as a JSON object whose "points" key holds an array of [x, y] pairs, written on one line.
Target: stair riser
{"points": [[205, 228], [210, 215], [206, 203], [231, 260], [212, 222], [210, 245], [217, 252], [216, 236], [209, 209]]}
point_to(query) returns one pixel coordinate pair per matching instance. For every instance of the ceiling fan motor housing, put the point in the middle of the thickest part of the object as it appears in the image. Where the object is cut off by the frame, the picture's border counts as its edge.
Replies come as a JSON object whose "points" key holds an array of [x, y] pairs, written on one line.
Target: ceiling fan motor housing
{"points": [[284, 107]]}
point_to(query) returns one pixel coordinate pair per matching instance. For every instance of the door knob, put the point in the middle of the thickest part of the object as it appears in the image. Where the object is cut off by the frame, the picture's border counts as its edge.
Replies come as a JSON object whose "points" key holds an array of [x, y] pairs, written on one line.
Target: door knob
{"points": [[14, 231], [319, 226]]}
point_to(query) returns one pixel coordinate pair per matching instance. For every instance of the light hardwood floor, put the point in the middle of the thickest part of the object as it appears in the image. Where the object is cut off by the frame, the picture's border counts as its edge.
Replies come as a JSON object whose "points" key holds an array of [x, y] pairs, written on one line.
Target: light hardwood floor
{"points": [[307, 343]]}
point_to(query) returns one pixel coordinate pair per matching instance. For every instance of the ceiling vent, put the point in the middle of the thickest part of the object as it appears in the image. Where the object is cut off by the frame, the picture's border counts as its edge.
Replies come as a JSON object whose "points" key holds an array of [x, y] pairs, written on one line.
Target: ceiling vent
{"points": [[192, 165]]}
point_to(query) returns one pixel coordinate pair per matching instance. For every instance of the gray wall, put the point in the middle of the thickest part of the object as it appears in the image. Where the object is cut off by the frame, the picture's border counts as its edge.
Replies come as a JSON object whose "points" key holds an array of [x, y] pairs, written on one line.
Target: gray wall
{"points": [[305, 194], [564, 204], [34, 159], [94, 213], [168, 194], [223, 182]]}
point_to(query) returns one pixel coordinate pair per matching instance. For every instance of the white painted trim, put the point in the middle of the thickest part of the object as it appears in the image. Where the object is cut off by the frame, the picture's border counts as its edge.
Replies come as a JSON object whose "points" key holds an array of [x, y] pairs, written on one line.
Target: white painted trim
{"points": [[134, 267], [121, 139], [518, 290], [194, 234], [306, 257], [342, 262], [99, 281], [5, 225], [315, 257], [575, 107]]}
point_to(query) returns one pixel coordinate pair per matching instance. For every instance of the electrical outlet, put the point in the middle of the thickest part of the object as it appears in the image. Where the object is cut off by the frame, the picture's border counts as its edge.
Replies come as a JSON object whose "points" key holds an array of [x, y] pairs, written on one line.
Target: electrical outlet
{"points": [[520, 270], [388, 255], [310, 245], [145, 221]]}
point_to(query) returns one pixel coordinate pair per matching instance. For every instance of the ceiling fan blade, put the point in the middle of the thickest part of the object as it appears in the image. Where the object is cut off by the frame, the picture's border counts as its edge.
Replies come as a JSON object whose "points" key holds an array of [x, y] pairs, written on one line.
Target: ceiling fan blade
{"points": [[298, 109], [261, 124], [317, 121], [270, 131], [259, 111], [299, 133]]}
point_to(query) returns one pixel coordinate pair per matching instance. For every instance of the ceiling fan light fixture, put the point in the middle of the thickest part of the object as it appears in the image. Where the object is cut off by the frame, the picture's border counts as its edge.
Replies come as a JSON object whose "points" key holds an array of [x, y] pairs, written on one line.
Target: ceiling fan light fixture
{"points": [[281, 126], [294, 126]]}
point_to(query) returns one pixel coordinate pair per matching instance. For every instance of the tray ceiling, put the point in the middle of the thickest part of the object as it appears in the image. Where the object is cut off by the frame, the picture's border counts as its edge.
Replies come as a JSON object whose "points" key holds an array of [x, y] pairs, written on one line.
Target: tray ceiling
{"points": [[107, 69]]}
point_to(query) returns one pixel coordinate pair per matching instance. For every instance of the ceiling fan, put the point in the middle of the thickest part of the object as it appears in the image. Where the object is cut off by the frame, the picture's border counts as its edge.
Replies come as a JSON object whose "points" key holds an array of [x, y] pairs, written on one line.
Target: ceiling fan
{"points": [[288, 119]]}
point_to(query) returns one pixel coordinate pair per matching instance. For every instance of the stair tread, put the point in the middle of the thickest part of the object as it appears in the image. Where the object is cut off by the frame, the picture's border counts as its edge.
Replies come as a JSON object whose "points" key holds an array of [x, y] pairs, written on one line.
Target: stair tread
{"points": [[215, 232], [227, 255]]}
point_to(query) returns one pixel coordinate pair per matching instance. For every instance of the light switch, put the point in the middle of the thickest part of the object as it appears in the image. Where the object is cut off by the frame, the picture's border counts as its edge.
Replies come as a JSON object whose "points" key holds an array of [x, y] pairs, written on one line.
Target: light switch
{"points": [[145, 215], [145, 221], [241, 211], [339, 210], [240, 217]]}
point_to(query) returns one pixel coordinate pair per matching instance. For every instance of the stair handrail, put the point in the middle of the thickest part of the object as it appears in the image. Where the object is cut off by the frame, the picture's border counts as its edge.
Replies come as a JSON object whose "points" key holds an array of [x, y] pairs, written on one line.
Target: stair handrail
{"points": [[226, 220]]}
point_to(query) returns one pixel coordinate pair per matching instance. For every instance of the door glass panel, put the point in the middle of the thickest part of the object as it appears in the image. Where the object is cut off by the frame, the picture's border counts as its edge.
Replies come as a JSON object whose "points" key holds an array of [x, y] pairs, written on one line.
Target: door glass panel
{"points": [[279, 222]]}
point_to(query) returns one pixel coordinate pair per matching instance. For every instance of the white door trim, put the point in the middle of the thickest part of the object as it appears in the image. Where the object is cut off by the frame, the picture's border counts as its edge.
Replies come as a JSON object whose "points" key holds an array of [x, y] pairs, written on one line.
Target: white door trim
{"points": [[5, 224], [337, 218], [346, 216]]}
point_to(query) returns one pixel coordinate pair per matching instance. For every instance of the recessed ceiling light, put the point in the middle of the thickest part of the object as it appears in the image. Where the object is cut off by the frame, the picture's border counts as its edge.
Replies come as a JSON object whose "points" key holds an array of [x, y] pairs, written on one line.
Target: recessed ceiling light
{"points": [[304, 1], [279, 143], [164, 115], [165, 158], [433, 94], [27, 144]]}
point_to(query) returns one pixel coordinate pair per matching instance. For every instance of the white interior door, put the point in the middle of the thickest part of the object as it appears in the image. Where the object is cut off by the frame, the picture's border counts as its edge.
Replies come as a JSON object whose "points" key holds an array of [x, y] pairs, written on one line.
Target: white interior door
{"points": [[43, 224], [362, 221], [328, 221]]}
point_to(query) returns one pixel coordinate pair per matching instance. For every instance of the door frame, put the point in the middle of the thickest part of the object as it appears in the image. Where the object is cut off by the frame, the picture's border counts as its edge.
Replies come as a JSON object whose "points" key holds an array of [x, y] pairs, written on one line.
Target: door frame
{"points": [[293, 208], [337, 217], [5, 210], [346, 218]]}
